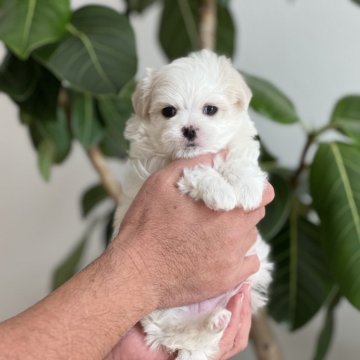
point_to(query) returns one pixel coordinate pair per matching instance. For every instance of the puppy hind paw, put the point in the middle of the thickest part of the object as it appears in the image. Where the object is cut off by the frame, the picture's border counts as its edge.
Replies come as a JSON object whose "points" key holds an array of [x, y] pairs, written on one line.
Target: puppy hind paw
{"points": [[191, 355], [219, 320]]}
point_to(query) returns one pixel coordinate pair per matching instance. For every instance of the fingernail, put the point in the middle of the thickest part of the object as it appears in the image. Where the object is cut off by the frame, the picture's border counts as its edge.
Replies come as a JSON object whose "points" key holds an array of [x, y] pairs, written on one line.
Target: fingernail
{"points": [[241, 299]]}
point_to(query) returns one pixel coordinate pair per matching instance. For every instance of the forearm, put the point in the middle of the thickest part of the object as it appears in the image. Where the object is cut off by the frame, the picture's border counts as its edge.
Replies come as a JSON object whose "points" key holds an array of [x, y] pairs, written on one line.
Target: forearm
{"points": [[84, 318]]}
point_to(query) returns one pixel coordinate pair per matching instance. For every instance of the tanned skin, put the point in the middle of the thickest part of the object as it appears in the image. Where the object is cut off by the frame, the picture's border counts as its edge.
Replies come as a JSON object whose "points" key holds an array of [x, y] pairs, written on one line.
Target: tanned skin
{"points": [[86, 317]]}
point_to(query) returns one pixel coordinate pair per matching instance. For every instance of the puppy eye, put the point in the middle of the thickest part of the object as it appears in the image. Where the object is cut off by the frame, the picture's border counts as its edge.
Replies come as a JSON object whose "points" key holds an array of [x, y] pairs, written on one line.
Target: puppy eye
{"points": [[210, 110], [169, 112]]}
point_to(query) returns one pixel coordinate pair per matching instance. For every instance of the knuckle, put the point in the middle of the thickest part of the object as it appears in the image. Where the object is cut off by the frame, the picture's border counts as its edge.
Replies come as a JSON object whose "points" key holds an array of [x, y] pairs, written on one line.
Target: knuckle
{"points": [[261, 212], [255, 264]]}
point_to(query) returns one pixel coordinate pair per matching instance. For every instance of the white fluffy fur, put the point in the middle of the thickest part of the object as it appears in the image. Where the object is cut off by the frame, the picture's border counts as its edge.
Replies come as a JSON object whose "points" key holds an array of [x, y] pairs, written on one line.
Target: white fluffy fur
{"points": [[188, 84]]}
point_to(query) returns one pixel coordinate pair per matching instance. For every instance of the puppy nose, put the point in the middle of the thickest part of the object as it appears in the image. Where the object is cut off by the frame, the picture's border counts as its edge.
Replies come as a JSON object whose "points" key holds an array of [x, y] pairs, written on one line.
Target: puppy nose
{"points": [[189, 133]]}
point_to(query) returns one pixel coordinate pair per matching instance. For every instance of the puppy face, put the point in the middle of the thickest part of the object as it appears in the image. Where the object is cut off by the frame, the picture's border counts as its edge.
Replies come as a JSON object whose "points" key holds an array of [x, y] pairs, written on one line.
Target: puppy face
{"points": [[192, 106]]}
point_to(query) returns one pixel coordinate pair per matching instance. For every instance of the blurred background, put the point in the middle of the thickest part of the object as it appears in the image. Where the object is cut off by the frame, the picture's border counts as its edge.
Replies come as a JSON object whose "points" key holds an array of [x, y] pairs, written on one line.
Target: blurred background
{"points": [[309, 48]]}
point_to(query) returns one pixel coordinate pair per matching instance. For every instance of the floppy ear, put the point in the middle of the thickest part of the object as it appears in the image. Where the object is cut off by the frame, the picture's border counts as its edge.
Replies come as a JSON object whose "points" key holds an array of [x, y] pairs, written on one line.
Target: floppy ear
{"points": [[243, 93], [142, 95], [239, 91]]}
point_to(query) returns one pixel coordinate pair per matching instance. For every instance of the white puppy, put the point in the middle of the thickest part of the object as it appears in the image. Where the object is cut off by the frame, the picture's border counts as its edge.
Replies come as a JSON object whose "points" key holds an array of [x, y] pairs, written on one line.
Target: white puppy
{"points": [[192, 106]]}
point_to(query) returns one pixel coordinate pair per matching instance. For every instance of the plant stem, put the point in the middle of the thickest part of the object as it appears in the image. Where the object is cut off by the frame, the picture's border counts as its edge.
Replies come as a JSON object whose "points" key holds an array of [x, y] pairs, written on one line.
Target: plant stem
{"points": [[302, 163], [208, 22], [265, 344], [311, 138], [108, 181]]}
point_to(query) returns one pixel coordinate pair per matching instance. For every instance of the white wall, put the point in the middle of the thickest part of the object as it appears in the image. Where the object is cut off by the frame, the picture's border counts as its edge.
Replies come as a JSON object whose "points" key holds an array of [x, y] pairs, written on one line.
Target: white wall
{"points": [[309, 48]]}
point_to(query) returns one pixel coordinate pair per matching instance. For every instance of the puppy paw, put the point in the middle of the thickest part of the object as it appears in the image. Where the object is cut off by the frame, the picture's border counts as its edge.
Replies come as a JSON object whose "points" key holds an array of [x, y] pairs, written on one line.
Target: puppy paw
{"points": [[219, 320], [206, 184], [249, 192], [191, 355]]}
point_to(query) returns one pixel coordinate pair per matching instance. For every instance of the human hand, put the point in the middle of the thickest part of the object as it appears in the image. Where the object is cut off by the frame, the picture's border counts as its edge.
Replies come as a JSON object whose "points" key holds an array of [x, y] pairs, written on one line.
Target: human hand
{"points": [[235, 339], [132, 346], [236, 335], [183, 251]]}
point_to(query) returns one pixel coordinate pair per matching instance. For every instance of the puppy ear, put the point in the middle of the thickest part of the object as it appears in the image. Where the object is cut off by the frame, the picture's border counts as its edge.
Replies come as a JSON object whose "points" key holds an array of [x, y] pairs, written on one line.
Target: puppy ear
{"points": [[239, 92], [242, 91], [142, 95]]}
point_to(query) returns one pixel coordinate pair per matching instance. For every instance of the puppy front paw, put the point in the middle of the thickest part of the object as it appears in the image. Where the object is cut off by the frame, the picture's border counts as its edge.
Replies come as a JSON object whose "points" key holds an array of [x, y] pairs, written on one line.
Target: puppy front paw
{"points": [[249, 192], [206, 184]]}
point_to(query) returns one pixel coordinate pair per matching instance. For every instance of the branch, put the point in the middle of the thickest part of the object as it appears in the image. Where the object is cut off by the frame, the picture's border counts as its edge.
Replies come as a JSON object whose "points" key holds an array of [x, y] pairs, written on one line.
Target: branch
{"points": [[265, 344], [208, 23], [108, 181]]}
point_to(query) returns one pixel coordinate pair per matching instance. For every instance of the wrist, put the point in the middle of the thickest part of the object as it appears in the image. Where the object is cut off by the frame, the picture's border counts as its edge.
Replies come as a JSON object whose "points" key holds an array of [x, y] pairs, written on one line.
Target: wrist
{"points": [[129, 266]]}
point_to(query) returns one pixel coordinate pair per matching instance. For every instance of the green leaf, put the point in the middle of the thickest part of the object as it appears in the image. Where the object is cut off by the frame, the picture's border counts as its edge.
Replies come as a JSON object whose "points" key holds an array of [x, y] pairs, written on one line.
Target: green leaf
{"points": [[115, 111], [28, 24], [34, 89], [85, 124], [326, 335], [43, 101], [18, 78], [91, 198], [278, 211], [51, 139], [97, 55], [46, 154], [301, 283], [356, 2], [179, 33], [335, 188], [346, 116], [70, 265], [139, 5], [225, 31], [55, 131], [271, 102]]}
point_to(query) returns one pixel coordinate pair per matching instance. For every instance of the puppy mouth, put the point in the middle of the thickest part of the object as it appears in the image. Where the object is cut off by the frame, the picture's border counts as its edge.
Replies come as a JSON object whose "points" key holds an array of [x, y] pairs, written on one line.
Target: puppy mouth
{"points": [[190, 145]]}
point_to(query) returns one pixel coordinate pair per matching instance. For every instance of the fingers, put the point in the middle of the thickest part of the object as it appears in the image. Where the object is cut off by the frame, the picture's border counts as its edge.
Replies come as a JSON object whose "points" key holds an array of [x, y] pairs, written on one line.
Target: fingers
{"points": [[241, 339], [268, 195], [236, 336]]}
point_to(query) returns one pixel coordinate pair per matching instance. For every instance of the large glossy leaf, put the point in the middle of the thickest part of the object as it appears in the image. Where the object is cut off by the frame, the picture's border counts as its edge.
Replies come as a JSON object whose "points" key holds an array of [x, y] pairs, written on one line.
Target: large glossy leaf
{"points": [[18, 78], [31, 86], [85, 123], [326, 335], [115, 111], [178, 32], [346, 116], [43, 101], [97, 55], [91, 198], [335, 188], [270, 101], [51, 139], [301, 283], [46, 154], [277, 212], [27, 24]]}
